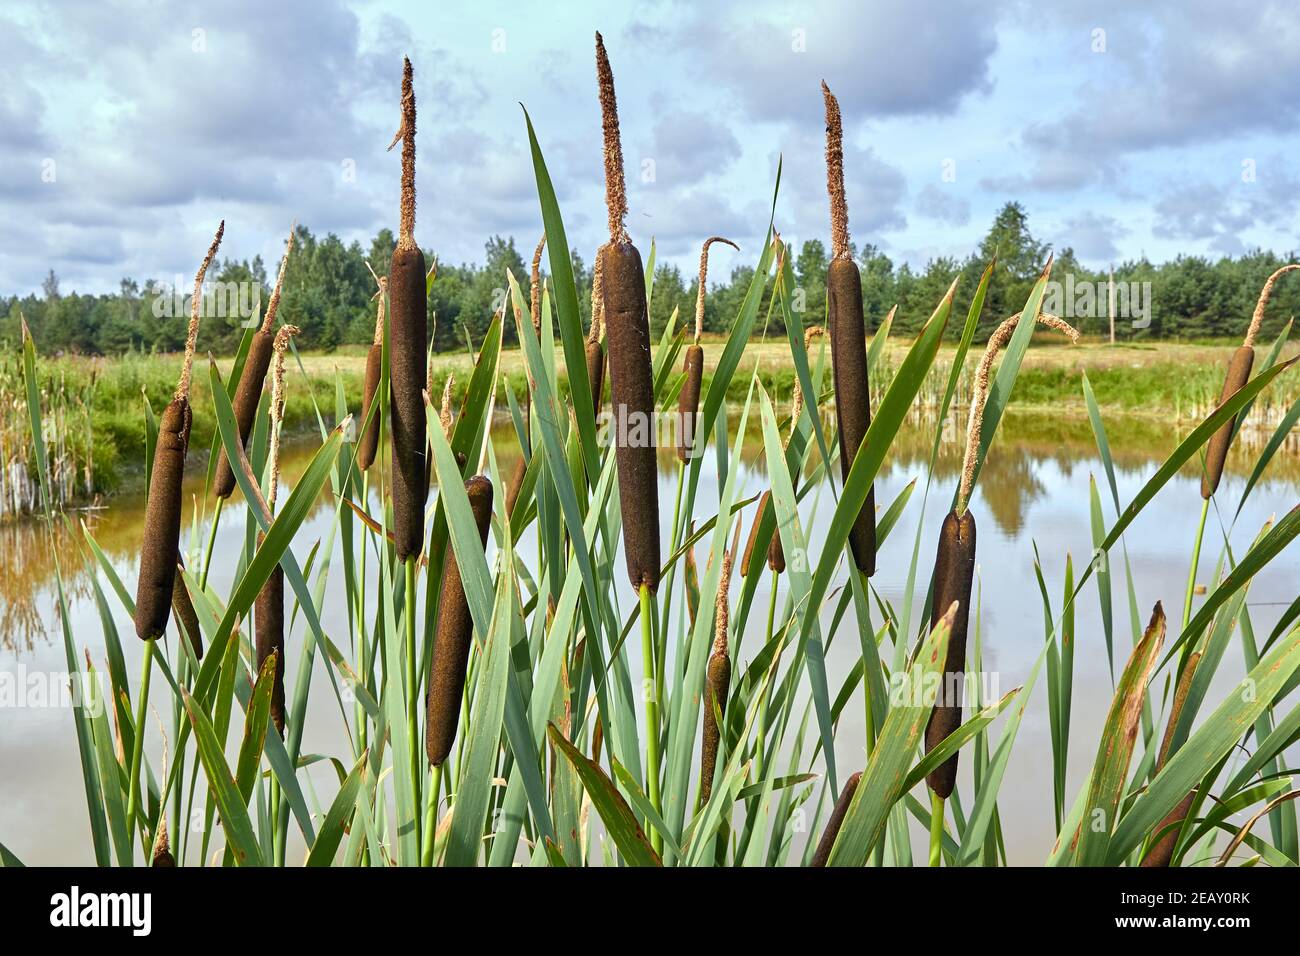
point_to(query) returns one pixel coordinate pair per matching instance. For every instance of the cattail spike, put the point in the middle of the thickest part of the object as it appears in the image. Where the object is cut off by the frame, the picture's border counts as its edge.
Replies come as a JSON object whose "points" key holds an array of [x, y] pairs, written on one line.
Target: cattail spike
{"points": [[268, 321], [196, 308], [835, 176], [444, 412], [997, 341], [704, 273], [1264, 295], [282, 337], [535, 286], [597, 299], [406, 233], [615, 187]]}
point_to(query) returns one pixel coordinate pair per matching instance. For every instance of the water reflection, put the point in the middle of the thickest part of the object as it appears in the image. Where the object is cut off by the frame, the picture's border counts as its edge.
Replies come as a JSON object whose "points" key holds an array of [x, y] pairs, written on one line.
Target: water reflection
{"points": [[1029, 448]]}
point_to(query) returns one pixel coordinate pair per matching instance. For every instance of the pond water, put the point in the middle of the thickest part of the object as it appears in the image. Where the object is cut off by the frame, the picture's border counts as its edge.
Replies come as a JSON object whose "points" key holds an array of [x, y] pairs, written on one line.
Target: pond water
{"points": [[1034, 492]]}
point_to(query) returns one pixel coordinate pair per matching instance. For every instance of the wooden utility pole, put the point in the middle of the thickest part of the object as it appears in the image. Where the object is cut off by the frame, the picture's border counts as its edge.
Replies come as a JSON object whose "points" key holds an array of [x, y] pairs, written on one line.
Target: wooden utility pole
{"points": [[1110, 304]]}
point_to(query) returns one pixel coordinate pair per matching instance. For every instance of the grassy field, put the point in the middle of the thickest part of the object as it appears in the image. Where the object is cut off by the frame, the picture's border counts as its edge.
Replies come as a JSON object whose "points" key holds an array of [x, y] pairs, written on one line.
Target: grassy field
{"points": [[103, 398]]}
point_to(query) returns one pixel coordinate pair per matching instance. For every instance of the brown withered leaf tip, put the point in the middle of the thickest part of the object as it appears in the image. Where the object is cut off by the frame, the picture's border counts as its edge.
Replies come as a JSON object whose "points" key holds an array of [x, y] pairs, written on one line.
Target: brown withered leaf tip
{"points": [[835, 176], [615, 188], [704, 275]]}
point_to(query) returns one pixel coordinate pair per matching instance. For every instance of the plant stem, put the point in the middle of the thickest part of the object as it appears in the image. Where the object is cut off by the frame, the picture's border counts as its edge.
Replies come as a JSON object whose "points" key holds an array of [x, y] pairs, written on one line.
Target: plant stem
{"points": [[676, 540], [651, 709], [936, 829], [137, 746], [1196, 559], [412, 691], [760, 738], [430, 816]]}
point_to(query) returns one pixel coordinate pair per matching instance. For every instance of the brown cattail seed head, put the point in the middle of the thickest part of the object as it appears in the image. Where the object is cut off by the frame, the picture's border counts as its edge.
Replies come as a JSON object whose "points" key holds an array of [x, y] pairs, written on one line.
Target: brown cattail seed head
{"points": [[596, 373], [1216, 453], [832, 831], [268, 627], [689, 402], [247, 395], [368, 444], [954, 573], [752, 543], [407, 359], [186, 617], [717, 688], [454, 636], [162, 523], [852, 394], [632, 398]]}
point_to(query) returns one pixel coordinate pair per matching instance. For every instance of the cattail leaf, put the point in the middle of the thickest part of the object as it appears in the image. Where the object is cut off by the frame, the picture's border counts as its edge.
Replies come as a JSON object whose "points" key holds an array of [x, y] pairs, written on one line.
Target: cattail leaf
{"points": [[883, 782], [255, 724], [1211, 742], [641, 804], [1118, 737], [566, 305], [234, 815], [974, 725], [111, 774], [340, 811], [609, 803], [1097, 523]]}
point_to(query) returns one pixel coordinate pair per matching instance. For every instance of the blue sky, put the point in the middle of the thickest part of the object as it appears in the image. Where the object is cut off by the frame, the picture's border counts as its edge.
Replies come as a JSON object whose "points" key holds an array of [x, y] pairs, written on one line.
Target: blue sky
{"points": [[127, 130]]}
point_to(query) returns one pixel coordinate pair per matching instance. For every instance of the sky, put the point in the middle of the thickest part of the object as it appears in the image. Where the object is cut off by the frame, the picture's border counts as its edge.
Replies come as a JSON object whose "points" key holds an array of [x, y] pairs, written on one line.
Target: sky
{"points": [[127, 130]]}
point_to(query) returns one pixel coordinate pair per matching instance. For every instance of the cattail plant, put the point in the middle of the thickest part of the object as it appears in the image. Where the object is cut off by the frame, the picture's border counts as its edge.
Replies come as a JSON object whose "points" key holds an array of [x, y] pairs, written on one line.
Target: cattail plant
{"points": [[1239, 366], [368, 444], [827, 842], [1161, 853], [249, 391], [407, 354], [268, 609], [162, 517], [848, 338], [631, 380], [453, 637], [627, 327], [445, 421], [954, 565], [718, 675], [693, 363], [595, 351]]}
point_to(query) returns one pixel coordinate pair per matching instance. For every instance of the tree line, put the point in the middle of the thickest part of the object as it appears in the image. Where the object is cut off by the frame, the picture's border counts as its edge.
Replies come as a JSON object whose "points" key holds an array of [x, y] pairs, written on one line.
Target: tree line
{"points": [[329, 291]]}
